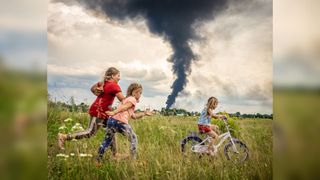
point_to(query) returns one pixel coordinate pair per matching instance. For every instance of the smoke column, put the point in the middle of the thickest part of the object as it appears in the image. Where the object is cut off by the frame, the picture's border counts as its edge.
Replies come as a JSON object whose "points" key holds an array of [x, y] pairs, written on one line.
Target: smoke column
{"points": [[171, 19]]}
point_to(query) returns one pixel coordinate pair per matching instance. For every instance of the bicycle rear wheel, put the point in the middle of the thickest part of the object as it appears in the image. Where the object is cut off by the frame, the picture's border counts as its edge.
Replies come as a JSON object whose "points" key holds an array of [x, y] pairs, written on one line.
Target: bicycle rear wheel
{"points": [[188, 142], [240, 156]]}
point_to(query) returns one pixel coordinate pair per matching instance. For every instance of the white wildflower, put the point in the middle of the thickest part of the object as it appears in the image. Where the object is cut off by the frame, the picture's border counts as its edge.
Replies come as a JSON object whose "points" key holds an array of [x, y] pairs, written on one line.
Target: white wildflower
{"points": [[85, 155], [62, 155], [68, 120], [77, 127], [62, 127]]}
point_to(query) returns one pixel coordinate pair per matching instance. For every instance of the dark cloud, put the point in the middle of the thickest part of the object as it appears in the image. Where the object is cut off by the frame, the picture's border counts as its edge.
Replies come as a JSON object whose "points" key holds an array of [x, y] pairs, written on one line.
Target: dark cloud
{"points": [[172, 19]]}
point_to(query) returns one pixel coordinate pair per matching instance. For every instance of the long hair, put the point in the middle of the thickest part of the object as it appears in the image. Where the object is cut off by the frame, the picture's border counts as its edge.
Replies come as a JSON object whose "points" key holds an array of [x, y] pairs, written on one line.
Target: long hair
{"points": [[109, 73], [211, 101], [133, 87]]}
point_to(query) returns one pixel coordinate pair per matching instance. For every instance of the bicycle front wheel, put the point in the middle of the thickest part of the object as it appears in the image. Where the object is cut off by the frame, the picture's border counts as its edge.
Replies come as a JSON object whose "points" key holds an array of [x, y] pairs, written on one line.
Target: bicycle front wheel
{"points": [[237, 153]]}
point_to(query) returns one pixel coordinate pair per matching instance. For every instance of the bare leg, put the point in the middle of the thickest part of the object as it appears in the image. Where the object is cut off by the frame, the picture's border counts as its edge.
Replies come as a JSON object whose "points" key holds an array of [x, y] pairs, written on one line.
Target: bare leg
{"points": [[92, 129], [215, 128], [214, 136]]}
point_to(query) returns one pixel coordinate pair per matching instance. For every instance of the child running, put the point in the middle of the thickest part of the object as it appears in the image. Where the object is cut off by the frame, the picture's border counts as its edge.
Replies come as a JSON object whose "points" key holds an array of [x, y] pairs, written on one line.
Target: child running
{"points": [[105, 91], [118, 122], [204, 123]]}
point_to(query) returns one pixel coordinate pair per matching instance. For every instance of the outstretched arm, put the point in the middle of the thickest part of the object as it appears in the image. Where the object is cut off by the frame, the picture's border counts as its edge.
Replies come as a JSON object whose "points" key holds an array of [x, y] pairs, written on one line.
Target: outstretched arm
{"points": [[141, 114], [216, 116]]}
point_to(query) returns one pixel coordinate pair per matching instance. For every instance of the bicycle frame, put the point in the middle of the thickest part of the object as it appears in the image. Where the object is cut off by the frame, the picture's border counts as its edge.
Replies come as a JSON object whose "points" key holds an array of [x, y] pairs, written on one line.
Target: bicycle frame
{"points": [[221, 139]]}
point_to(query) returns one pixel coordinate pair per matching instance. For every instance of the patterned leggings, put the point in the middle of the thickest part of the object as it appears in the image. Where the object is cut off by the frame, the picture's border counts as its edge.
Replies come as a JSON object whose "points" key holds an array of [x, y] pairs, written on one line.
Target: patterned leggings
{"points": [[94, 124], [114, 126]]}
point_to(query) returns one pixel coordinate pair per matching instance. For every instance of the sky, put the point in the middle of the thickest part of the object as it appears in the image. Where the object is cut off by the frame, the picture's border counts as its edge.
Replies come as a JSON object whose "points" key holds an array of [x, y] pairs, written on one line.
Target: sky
{"points": [[233, 62]]}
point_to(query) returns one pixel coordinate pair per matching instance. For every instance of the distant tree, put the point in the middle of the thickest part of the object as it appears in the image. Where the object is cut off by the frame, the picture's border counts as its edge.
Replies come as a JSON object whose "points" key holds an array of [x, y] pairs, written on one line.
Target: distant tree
{"points": [[174, 111], [258, 115], [83, 107], [73, 107]]}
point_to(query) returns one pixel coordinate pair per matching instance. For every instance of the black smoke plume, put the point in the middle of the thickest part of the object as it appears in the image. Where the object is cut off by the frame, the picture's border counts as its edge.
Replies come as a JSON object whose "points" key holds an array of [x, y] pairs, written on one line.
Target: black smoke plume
{"points": [[172, 19]]}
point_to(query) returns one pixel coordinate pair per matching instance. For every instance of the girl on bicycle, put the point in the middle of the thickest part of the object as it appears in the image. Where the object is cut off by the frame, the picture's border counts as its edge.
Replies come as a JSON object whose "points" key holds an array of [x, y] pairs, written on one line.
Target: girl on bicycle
{"points": [[204, 122], [118, 121]]}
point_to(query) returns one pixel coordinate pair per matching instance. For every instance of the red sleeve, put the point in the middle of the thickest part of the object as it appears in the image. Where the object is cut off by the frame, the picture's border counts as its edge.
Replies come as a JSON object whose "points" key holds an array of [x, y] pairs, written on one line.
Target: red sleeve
{"points": [[115, 88]]}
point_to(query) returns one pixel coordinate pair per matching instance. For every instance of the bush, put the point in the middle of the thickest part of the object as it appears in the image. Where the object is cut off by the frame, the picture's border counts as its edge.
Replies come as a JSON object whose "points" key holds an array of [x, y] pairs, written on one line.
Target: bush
{"points": [[233, 125]]}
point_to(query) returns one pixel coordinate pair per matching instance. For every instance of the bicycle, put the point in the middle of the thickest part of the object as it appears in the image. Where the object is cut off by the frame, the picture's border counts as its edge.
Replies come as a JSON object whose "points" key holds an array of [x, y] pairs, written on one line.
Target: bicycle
{"points": [[235, 150]]}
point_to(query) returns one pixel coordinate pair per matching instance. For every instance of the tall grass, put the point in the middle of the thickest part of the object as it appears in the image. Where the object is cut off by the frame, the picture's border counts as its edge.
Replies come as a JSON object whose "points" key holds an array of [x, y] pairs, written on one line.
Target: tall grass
{"points": [[159, 155]]}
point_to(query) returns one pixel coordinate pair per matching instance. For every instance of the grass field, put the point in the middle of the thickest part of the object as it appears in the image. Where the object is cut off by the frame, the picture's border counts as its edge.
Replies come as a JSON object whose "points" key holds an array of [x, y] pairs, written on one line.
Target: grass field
{"points": [[159, 155]]}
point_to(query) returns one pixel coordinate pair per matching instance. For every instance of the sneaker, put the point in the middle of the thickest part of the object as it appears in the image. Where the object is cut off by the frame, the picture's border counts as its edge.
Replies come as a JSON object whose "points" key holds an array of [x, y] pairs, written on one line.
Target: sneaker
{"points": [[61, 141]]}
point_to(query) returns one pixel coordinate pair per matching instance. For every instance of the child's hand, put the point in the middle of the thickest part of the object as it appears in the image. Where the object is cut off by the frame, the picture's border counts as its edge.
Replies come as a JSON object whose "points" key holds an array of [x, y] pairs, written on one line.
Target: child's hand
{"points": [[149, 113], [110, 113]]}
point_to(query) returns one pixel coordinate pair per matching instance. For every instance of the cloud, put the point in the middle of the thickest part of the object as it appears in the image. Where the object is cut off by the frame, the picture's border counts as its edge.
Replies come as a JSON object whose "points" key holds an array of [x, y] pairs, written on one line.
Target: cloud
{"points": [[234, 62], [75, 38], [88, 45]]}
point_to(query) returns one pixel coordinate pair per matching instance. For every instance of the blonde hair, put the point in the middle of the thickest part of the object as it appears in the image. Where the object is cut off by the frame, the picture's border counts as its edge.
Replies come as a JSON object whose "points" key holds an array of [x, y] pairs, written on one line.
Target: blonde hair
{"points": [[109, 73], [211, 101], [133, 87]]}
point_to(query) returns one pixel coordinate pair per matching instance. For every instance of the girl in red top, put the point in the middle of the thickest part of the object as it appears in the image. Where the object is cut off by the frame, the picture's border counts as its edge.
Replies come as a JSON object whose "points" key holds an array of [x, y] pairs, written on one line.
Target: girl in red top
{"points": [[105, 91]]}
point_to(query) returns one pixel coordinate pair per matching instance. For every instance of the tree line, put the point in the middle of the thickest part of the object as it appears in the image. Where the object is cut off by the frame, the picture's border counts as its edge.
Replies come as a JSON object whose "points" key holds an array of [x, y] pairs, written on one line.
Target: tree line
{"points": [[71, 106], [183, 112]]}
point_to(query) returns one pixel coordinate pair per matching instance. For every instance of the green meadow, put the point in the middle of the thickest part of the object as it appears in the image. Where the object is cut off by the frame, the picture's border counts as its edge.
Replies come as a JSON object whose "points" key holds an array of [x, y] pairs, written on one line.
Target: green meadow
{"points": [[159, 153]]}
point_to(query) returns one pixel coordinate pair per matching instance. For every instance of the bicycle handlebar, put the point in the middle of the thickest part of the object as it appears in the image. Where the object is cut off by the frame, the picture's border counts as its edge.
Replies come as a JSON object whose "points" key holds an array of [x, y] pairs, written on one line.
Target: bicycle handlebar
{"points": [[225, 120]]}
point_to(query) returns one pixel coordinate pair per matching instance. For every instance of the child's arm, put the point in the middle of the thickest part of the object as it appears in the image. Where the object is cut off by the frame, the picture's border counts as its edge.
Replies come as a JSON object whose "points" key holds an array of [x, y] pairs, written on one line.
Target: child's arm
{"points": [[120, 109], [120, 96], [141, 114], [212, 114]]}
